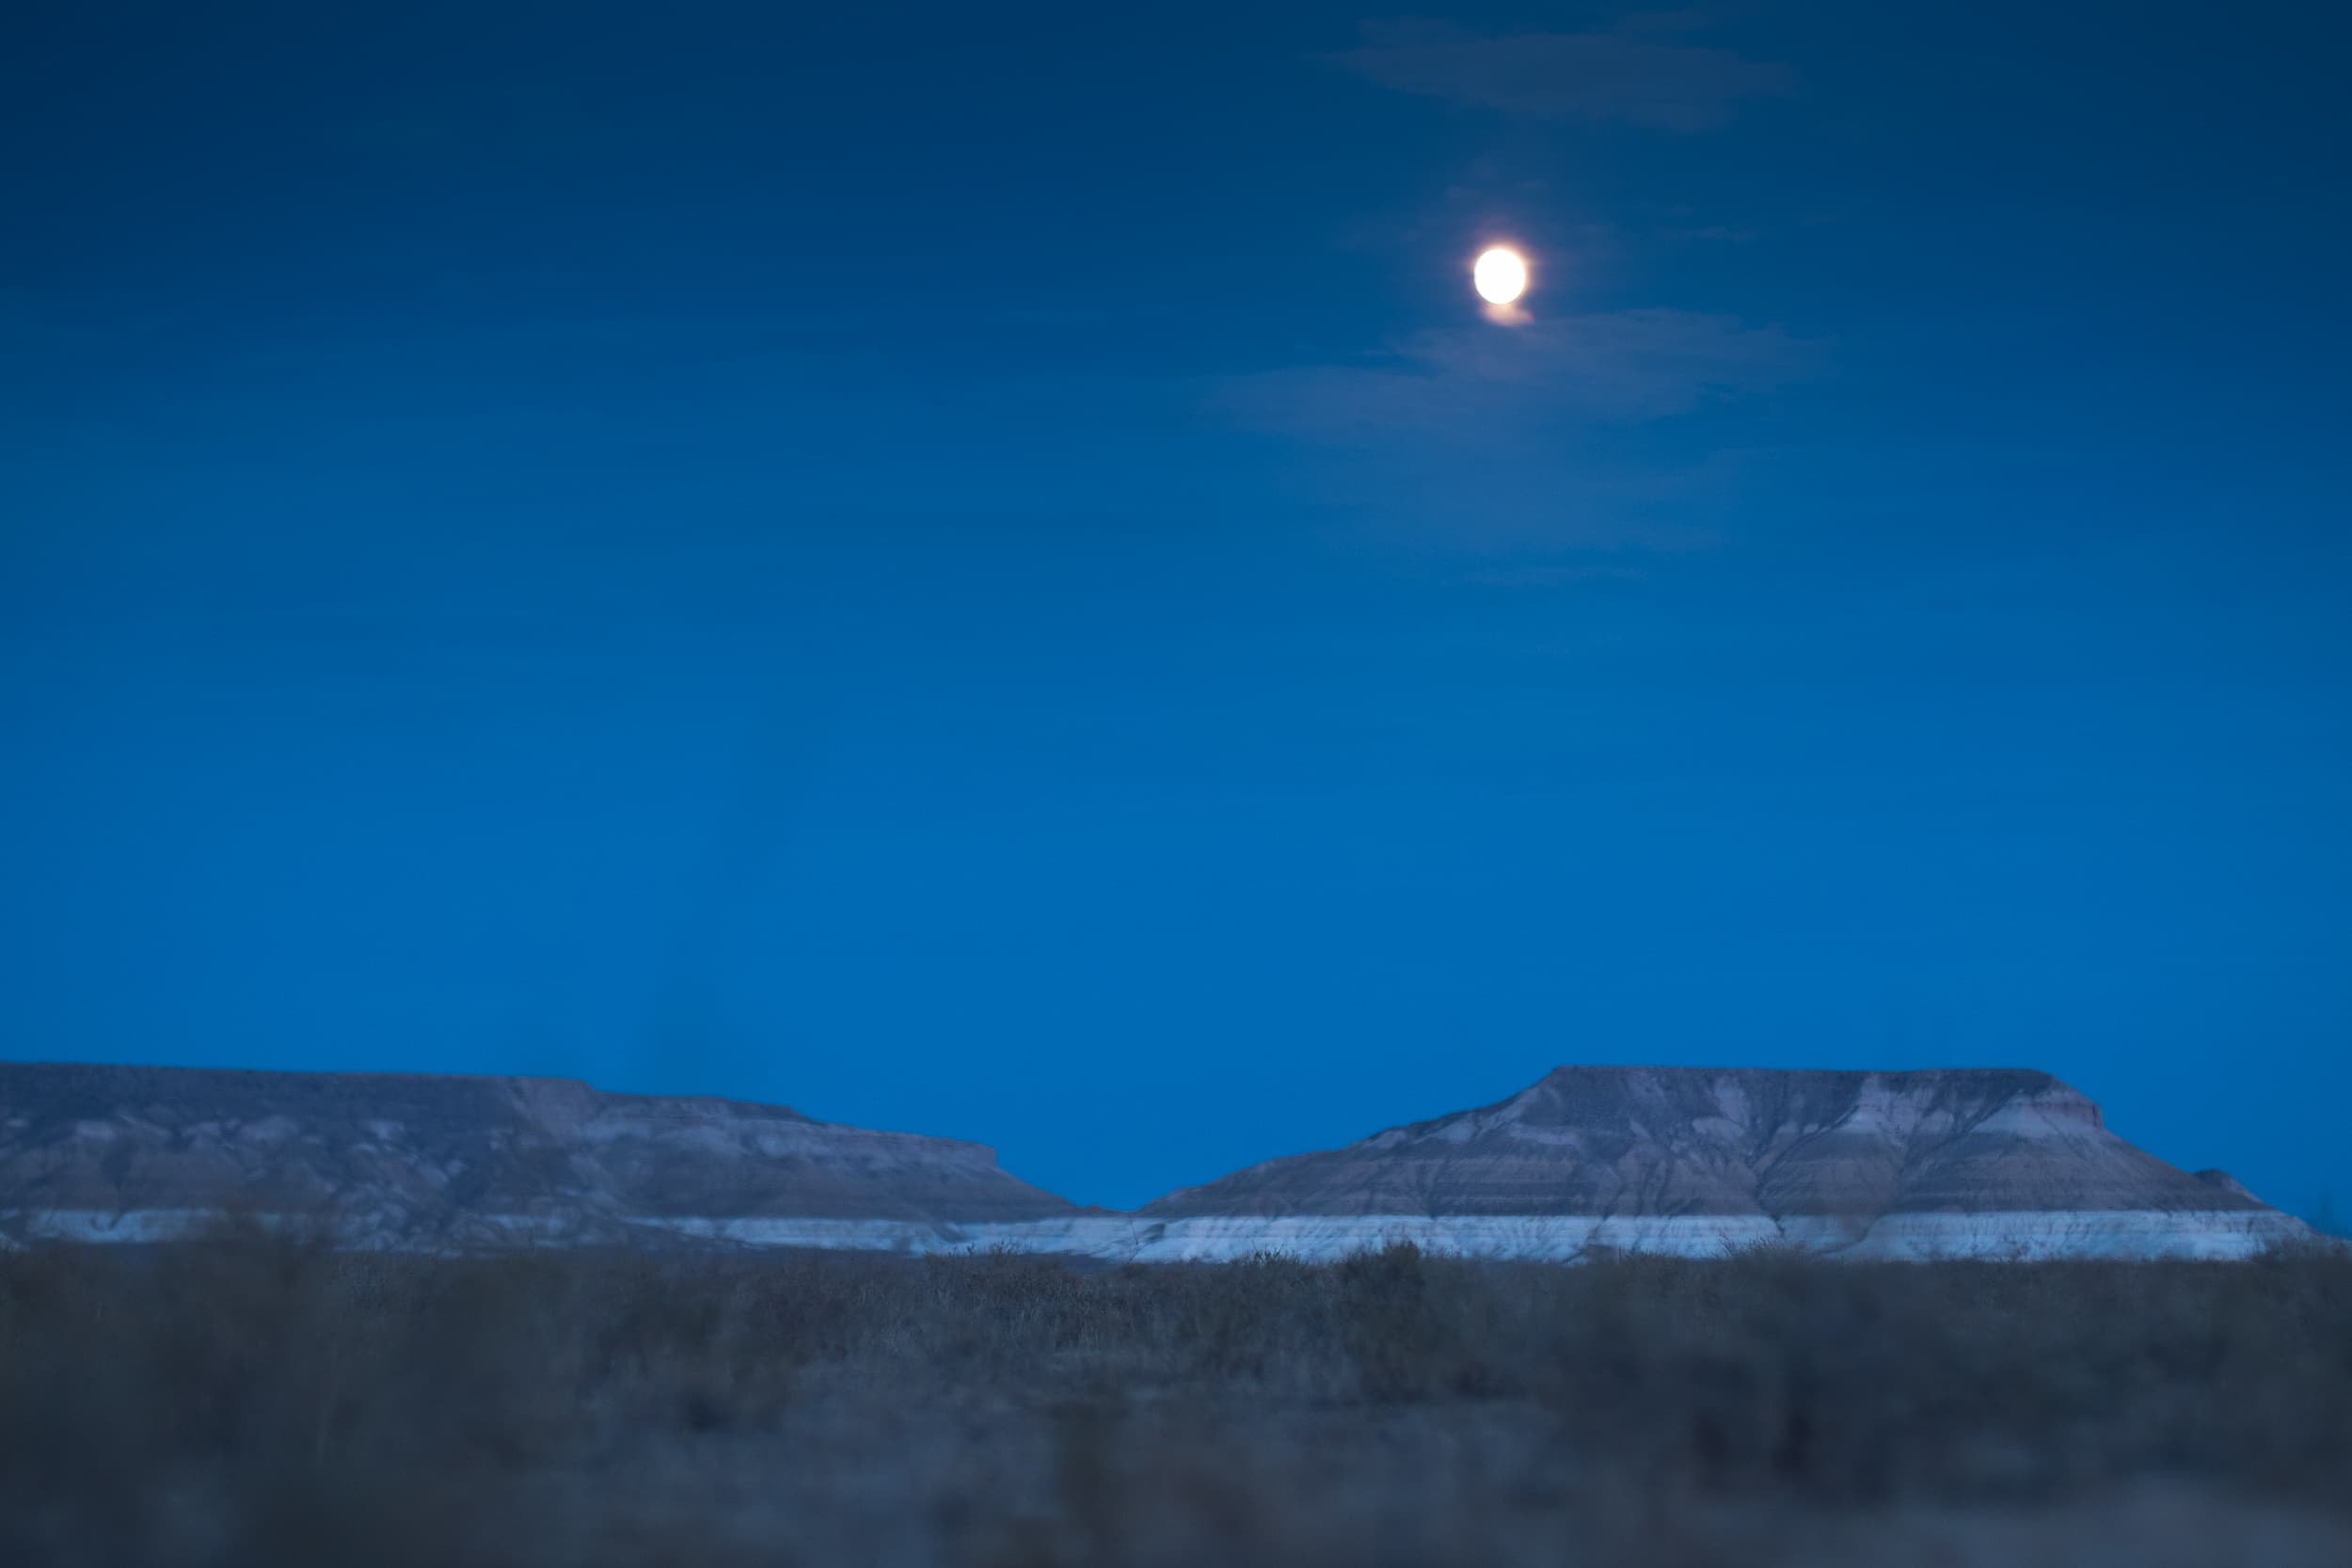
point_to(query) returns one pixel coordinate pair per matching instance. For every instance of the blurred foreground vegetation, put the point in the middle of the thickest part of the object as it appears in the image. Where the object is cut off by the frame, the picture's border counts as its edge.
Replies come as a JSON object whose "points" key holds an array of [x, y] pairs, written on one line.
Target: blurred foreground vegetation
{"points": [[255, 1401]]}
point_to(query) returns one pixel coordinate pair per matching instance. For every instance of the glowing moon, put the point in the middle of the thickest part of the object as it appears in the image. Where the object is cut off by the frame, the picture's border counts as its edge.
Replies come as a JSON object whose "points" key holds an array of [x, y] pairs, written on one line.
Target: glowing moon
{"points": [[1500, 274]]}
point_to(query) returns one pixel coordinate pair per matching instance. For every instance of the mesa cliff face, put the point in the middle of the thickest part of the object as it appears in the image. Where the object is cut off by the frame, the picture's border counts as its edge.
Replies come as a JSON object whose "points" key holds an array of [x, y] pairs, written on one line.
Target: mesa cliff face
{"points": [[1971, 1163], [1968, 1162], [391, 1160]]}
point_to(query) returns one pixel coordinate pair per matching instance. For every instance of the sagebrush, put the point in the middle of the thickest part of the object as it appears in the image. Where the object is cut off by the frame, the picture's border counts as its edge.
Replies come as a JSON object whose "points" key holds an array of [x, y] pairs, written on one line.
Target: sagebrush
{"points": [[250, 1399]]}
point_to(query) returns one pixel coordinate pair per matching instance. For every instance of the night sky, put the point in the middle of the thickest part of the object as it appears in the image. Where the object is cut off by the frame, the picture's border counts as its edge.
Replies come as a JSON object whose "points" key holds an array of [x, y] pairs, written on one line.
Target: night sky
{"points": [[980, 571]]}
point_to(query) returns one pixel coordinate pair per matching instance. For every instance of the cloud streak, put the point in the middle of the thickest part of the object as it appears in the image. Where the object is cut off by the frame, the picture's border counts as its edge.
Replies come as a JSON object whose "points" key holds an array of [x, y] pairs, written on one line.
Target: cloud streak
{"points": [[1610, 367], [1505, 438], [1629, 76], [1551, 576]]}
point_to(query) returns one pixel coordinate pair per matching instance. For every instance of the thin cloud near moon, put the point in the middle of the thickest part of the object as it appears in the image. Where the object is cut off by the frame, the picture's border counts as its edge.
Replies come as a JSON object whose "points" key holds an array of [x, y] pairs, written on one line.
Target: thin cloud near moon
{"points": [[1677, 88], [1624, 366]]}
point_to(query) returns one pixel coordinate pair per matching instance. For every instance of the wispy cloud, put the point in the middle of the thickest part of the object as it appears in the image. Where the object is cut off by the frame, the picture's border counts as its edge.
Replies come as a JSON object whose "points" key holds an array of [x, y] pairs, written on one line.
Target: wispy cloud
{"points": [[1550, 577], [1632, 75], [1606, 366], [1511, 438]]}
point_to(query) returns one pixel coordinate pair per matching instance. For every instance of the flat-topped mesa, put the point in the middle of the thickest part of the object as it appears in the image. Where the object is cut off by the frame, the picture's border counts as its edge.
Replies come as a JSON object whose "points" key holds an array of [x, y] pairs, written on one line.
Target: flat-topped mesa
{"points": [[1700, 1158], [1999, 1162], [405, 1160], [1603, 1140]]}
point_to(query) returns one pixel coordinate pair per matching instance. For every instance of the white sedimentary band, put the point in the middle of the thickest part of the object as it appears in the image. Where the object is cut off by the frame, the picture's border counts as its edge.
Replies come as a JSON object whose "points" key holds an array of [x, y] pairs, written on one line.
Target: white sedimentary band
{"points": [[1088, 1235], [2020, 1235], [1541, 1237], [2024, 1234]]}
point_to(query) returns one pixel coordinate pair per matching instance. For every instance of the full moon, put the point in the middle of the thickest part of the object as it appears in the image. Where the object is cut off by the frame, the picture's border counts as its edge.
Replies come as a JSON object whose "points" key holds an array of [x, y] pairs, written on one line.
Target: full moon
{"points": [[1500, 276]]}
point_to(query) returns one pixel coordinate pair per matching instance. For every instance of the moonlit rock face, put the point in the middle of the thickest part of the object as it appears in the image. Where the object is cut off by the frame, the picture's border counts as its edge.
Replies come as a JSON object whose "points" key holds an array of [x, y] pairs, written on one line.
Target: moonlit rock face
{"points": [[1970, 1163], [1754, 1141], [1588, 1162], [423, 1163], [1500, 276]]}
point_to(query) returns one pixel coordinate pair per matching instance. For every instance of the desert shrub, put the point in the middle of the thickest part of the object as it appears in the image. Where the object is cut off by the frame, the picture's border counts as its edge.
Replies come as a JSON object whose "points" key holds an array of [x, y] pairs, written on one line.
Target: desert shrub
{"points": [[245, 1397]]}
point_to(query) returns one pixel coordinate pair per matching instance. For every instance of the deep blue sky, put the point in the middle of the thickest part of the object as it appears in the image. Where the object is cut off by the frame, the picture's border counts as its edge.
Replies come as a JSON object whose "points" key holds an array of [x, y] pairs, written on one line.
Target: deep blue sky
{"points": [[977, 571]]}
